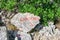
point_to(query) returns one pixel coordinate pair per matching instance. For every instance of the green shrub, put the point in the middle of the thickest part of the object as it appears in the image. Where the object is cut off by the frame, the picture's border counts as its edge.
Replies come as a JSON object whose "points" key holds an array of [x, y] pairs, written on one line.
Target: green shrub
{"points": [[48, 10], [7, 4]]}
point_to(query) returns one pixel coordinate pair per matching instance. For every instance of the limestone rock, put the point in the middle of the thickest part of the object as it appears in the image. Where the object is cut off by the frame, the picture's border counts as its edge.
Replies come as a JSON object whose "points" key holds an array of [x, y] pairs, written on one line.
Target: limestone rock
{"points": [[48, 33], [3, 33], [25, 21]]}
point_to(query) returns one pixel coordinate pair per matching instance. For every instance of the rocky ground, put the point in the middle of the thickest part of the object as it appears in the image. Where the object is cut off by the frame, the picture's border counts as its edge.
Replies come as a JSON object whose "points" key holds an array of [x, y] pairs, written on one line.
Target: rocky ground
{"points": [[3, 33], [49, 32]]}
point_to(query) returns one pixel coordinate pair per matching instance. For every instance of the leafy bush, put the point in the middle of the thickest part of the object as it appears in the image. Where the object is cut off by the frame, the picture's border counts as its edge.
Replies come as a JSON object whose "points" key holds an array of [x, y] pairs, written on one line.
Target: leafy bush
{"points": [[48, 10], [7, 4]]}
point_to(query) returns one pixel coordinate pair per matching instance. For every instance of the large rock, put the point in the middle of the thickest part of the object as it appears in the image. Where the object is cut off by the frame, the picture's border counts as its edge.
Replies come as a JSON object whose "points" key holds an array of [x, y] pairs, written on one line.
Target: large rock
{"points": [[3, 33], [48, 33], [25, 21], [24, 36]]}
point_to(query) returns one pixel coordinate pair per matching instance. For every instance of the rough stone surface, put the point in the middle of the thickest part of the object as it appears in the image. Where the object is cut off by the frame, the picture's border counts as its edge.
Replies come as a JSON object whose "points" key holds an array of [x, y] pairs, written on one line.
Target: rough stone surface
{"points": [[48, 33], [25, 21], [3, 33]]}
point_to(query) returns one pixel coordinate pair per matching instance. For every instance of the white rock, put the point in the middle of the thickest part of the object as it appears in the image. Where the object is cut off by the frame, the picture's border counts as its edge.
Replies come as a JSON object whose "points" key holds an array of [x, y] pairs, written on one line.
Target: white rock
{"points": [[25, 21], [24, 36], [47, 33], [3, 33]]}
